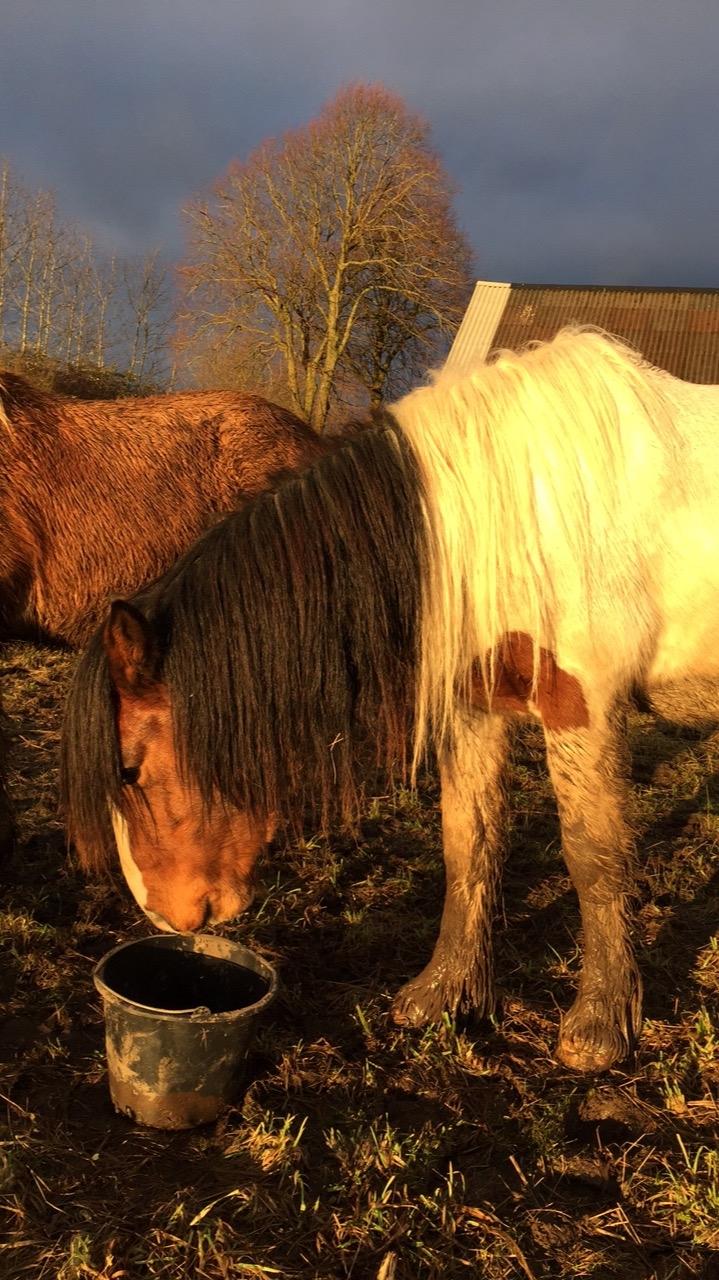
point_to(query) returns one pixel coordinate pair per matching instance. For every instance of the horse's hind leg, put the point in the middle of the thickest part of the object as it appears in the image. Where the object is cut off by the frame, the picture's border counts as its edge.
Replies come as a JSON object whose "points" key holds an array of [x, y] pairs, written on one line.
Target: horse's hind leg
{"points": [[586, 766], [460, 973]]}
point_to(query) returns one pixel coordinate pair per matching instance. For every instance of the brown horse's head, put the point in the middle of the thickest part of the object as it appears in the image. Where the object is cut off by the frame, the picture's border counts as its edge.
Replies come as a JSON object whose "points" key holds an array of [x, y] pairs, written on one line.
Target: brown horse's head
{"points": [[187, 863], [243, 684]]}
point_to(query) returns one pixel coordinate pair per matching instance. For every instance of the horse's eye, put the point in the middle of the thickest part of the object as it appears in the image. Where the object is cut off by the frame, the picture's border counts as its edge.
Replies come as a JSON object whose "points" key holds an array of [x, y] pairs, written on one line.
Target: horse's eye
{"points": [[129, 776]]}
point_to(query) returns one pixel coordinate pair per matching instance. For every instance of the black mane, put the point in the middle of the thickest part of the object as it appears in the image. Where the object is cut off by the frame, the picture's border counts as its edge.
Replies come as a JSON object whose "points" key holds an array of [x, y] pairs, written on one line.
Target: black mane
{"points": [[284, 634]]}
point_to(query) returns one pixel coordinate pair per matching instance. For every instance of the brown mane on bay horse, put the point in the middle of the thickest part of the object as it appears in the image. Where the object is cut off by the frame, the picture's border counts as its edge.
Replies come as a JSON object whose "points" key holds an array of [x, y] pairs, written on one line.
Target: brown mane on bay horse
{"points": [[100, 497]]}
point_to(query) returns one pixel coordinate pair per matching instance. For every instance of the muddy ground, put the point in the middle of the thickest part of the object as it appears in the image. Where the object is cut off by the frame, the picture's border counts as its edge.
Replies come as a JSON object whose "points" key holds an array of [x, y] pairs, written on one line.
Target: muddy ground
{"points": [[358, 1150]]}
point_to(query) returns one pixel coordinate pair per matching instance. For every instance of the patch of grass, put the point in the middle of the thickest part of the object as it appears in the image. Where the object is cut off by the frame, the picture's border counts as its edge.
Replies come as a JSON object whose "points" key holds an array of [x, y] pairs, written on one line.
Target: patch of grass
{"points": [[77, 1264], [688, 1196]]}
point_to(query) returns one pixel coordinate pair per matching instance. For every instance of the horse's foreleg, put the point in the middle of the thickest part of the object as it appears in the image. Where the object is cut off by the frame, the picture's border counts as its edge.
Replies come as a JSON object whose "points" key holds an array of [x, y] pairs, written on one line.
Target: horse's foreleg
{"points": [[460, 973], [587, 774]]}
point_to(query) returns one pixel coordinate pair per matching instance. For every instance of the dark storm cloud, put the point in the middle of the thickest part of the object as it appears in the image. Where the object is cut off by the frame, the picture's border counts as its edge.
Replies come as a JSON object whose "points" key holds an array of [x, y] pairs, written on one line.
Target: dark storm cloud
{"points": [[582, 135]]}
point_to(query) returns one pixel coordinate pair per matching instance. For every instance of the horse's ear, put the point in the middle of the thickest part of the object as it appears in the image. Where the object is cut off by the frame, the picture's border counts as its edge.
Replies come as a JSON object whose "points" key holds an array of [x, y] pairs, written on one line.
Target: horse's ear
{"points": [[130, 648]]}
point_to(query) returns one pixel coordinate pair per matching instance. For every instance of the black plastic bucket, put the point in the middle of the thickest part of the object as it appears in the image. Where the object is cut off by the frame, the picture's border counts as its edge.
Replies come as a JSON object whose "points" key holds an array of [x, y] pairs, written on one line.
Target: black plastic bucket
{"points": [[180, 1013]]}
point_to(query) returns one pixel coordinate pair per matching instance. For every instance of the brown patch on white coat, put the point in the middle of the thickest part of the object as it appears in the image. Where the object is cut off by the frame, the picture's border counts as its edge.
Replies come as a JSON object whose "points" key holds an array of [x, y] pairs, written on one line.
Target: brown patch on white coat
{"points": [[554, 696]]}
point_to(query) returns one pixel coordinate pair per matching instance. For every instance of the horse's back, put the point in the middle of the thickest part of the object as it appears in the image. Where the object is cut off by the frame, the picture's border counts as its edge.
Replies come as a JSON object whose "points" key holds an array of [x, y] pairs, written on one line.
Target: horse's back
{"points": [[263, 442], [248, 439], [100, 497]]}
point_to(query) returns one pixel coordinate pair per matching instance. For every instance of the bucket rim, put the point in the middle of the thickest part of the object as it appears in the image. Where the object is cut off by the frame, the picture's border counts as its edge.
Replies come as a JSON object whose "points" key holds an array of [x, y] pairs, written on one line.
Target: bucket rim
{"points": [[266, 971]]}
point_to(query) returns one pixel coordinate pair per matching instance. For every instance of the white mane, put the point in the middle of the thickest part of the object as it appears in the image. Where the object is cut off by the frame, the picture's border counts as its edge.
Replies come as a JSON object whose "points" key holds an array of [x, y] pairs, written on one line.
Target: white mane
{"points": [[542, 472]]}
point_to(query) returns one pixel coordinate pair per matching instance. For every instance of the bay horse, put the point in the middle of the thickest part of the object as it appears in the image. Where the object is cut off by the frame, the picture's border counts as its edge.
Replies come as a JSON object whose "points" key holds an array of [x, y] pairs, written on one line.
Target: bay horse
{"points": [[532, 538], [99, 497]]}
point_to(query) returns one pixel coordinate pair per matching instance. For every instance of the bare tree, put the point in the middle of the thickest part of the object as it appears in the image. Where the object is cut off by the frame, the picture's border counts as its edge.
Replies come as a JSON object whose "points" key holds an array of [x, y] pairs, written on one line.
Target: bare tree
{"points": [[146, 293], [64, 306], [73, 328], [37, 235], [320, 241], [394, 342], [104, 286], [9, 236]]}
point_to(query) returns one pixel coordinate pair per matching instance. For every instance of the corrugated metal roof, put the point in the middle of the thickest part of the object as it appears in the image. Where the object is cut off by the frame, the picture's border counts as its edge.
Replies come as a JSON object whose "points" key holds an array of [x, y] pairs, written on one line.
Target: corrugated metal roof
{"points": [[475, 335], [676, 329]]}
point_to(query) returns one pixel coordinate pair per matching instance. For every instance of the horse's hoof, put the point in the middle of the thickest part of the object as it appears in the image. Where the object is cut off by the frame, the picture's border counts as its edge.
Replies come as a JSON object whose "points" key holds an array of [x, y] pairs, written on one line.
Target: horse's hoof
{"points": [[438, 991], [590, 1043], [408, 1010], [417, 1003]]}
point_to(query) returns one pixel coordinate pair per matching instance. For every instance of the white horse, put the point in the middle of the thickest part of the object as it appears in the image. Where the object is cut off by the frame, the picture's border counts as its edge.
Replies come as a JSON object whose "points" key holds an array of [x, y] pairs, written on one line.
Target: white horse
{"points": [[534, 538]]}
